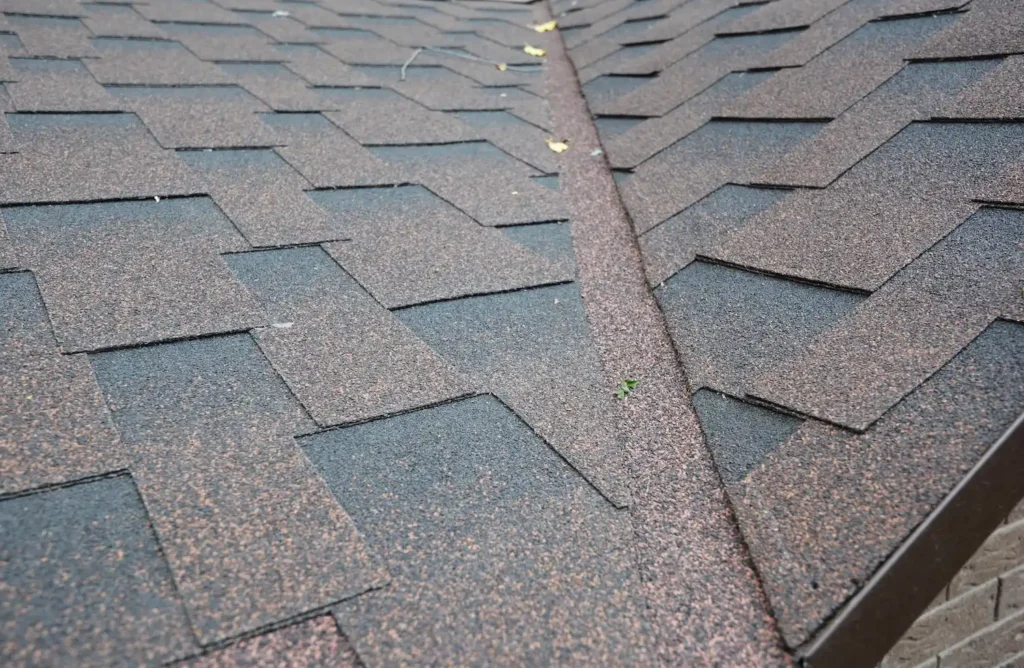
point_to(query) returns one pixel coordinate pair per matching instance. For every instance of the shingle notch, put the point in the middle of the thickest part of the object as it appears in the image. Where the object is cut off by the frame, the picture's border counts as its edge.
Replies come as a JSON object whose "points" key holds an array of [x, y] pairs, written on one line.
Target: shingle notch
{"points": [[853, 373], [739, 435], [125, 273], [251, 532], [117, 602], [345, 357], [54, 426], [533, 350], [513, 538], [828, 506], [409, 246]]}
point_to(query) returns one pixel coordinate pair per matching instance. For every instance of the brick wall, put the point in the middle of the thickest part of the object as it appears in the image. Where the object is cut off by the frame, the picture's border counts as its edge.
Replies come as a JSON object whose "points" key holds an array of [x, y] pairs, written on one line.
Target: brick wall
{"points": [[978, 620]]}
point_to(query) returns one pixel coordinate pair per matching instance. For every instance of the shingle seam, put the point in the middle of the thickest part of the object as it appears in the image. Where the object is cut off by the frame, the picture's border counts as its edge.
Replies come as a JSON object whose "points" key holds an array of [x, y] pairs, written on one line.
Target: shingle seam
{"points": [[687, 502], [42, 489]]}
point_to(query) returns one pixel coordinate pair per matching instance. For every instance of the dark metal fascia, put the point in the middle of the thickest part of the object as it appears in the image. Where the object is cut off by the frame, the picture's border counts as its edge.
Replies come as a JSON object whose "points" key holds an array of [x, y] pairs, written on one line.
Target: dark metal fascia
{"points": [[881, 612]]}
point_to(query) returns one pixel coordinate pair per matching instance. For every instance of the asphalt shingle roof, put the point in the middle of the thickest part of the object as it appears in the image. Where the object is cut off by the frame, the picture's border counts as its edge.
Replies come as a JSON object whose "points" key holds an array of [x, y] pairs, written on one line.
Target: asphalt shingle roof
{"points": [[309, 341]]}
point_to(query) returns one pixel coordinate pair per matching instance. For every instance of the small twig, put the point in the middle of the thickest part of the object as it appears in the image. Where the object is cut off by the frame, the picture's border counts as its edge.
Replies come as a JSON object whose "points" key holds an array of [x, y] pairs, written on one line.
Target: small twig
{"points": [[468, 56], [411, 58]]}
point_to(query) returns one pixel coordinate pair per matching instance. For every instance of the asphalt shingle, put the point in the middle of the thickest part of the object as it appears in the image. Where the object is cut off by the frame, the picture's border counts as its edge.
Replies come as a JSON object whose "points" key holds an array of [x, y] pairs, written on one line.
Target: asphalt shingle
{"points": [[57, 86], [480, 180], [729, 324], [251, 532], [72, 158], [859, 369], [817, 529], [125, 273], [917, 92], [720, 152], [535, 561], [93, 544], [263, 196], [532, 349], [325, 155], [135, 62], [343, 355], [409, 246], [882, 213], [54, 423], [229, 224], [199, 117]]}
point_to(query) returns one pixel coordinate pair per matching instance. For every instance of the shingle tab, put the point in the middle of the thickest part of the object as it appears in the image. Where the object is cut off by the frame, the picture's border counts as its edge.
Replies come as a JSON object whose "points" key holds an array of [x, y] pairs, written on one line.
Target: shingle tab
{"points": [[479, 179], [653, 135], [728, 324], [532, 349], [325, 155], [125, 273], [859, 369], [409, 246], [59, 155], [55, 427], [250, 531], [345, 357], [832, 82], [57, 86], [884, 212], [675, 243], [264, 197], [134, 62], [991, 27], [720, 152], [117, 602], [199, 117], [379, 116], [692, 74], [917, 92], [536, 562]]}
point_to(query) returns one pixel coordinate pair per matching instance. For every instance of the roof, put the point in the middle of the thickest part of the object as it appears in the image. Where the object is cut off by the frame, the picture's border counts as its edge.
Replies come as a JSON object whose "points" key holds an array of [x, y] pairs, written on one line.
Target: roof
{"points": [[314, 352]]}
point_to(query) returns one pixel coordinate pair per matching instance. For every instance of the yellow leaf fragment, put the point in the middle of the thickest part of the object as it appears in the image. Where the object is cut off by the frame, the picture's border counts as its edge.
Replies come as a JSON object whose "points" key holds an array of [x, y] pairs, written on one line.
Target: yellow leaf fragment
{"points": [[534, 51], [501, 67], [546, 27], [557, 146]]}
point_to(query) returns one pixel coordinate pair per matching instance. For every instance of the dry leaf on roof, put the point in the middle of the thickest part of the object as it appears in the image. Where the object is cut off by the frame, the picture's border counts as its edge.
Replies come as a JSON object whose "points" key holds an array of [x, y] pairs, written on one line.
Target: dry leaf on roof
{"points": [[502, 67], [534, 51], [557, 146], [546, 27]]}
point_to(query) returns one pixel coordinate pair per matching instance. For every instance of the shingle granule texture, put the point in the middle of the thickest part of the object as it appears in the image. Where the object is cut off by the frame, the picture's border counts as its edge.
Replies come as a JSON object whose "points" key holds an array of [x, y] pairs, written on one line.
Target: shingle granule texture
{"points": [[93, 544], [54, 425], [313, 351], [249, 529], [502, 526]]}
